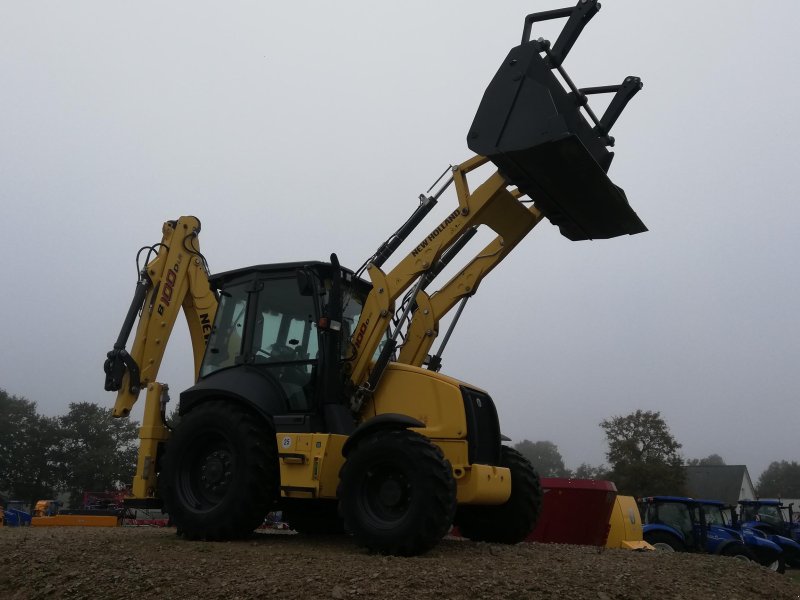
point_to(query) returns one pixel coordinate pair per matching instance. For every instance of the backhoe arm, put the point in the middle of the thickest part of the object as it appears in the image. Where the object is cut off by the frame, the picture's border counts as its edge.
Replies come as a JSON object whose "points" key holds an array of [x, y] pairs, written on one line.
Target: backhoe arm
{"points": [[176, 278]]}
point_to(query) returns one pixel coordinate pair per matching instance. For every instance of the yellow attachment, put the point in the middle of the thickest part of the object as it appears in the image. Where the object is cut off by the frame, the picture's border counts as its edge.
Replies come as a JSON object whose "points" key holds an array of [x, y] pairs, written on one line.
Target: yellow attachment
{"points": [[310, 464], [625, 529], [75, 521], [41, 508]]}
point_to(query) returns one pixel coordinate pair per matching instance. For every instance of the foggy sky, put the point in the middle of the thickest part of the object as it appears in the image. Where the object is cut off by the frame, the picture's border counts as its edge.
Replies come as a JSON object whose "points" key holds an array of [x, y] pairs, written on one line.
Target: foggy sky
{"points": [[293, 130]]}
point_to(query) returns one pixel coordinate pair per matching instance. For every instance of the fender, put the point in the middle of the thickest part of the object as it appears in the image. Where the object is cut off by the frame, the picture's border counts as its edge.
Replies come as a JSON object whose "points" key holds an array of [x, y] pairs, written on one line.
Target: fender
{"points": [[666, 529], [251, 387], [787, 544], [761, 544], [724, 544], [382, 422]]}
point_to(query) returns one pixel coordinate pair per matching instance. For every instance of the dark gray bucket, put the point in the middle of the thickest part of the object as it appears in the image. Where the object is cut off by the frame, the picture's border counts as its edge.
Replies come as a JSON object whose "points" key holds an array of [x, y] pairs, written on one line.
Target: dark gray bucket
{"points": [[531, 127]]}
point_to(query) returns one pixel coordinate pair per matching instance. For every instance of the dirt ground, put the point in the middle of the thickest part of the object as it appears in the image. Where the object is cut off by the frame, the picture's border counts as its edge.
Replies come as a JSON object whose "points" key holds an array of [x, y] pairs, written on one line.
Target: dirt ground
{"points": [[155, 563]]}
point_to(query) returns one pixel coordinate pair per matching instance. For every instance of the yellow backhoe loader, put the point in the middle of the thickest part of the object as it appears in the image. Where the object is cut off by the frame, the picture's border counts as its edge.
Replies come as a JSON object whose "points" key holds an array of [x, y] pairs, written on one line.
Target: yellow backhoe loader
{"points": [[312, 394]]}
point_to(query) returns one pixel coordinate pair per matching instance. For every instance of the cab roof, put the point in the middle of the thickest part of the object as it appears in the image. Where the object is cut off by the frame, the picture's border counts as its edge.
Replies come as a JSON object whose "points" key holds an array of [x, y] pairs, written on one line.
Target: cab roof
{"points": [[220, 280]]}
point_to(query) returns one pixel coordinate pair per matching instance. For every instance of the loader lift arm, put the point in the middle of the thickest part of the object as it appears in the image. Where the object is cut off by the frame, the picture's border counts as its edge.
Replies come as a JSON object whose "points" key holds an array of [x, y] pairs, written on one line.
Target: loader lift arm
{"points": [[424, 326], [176, 278], [535, 132]]}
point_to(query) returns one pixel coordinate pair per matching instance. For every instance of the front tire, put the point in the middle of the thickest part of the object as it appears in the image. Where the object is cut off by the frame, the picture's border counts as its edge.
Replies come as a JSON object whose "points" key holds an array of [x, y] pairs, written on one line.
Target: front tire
{"points": [[397, 494], [664, 542], [220, 475], [512, 521]]}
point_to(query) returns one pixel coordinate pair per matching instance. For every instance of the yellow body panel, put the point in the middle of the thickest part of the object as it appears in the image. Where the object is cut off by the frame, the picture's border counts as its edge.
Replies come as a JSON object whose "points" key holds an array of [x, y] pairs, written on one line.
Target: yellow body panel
{"points": [[429, 397], [436, 400], [625, 526], [484, 484], [310, 464], [75, 521]]}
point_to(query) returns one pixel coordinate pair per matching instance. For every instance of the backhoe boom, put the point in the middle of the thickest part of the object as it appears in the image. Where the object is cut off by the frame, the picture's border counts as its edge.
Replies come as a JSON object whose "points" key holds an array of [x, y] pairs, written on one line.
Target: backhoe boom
{"points": [[176, 278]]}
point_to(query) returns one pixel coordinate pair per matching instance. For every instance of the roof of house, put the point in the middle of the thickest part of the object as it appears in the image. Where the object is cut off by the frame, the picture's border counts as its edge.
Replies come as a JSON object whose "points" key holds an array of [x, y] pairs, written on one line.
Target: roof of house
{"points": [[717, 482]]}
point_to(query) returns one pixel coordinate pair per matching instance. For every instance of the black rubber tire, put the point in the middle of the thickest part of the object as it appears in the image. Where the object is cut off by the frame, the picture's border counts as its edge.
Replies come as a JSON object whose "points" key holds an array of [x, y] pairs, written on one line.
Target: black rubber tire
{"points": [[512, 521], [397, 494], [777, 566], [738, 551], [657, 538], [236, 450], [313, 517]]}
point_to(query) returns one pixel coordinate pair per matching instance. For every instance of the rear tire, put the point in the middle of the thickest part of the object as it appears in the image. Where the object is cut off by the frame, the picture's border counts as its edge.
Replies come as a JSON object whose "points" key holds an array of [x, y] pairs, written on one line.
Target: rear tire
{"points": [[512, 521], [220, 476], [396, 493], [778, 565], [739, 552]]}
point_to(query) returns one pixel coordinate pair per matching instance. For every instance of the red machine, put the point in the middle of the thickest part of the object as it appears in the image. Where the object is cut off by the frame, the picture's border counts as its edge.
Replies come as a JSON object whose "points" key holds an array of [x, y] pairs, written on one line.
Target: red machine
{"points": [[574, 511]]}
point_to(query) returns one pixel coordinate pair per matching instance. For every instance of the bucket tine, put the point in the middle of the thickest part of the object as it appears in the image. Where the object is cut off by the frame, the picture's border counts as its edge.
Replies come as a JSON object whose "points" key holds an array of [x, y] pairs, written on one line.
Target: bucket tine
{"points": [[579, 16], [622, 95], [536, 132]]}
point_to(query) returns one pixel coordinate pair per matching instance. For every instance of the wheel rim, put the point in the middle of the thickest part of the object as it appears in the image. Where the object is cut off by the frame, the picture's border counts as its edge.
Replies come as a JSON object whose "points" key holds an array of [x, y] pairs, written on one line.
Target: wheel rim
{"points": [[206, 472], [741, 557], [663, 547], [386, 494], [774, 565]]}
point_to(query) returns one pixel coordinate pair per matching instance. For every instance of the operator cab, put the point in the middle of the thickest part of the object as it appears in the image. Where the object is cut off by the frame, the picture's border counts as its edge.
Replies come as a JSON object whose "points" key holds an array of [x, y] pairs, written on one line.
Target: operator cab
{"points": [[684, 515], [272, 320], [768, 513]]}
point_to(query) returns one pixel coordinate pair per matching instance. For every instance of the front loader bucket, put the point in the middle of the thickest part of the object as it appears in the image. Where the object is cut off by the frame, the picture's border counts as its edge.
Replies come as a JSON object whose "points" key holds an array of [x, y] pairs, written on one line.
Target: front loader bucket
{"points": [[533, 130]]}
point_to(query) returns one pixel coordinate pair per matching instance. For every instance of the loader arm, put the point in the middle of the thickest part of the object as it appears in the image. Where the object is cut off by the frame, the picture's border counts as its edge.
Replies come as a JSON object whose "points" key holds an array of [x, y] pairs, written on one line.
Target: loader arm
{"points": [[535, 131], [424, 327], [490, 204], [176, 278]]}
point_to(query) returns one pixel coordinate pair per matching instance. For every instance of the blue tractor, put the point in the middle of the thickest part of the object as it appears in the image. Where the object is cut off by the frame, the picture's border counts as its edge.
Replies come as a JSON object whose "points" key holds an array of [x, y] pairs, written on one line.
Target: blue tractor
{"points": [[14, 516], [760, 544], [776, 520], [679, 524]]}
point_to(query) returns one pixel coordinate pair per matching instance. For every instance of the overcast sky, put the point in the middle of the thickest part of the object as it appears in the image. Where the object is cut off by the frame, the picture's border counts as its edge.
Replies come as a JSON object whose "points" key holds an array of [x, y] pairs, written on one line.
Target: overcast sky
{"points": [[296, 129]]}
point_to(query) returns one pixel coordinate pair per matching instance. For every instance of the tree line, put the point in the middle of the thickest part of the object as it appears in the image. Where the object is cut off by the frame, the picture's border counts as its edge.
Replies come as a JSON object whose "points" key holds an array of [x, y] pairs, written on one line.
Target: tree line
{"points": [[644, 460], [85, 449]]}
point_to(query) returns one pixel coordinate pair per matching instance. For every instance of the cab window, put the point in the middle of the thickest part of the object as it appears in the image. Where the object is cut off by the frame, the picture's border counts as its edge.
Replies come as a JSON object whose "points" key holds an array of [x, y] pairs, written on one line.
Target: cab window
{"points": [[285, 339], [225, 342]]}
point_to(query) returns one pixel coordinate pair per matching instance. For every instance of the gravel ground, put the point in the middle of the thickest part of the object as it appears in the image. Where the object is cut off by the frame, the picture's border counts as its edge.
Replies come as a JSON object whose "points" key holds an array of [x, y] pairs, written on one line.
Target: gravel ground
{"points": [[155, 563]]}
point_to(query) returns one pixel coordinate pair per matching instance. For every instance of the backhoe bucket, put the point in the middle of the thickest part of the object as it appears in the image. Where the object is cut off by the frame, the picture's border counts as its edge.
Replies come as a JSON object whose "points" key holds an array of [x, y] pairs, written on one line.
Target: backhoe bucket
{"points": [[532, 128]]}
